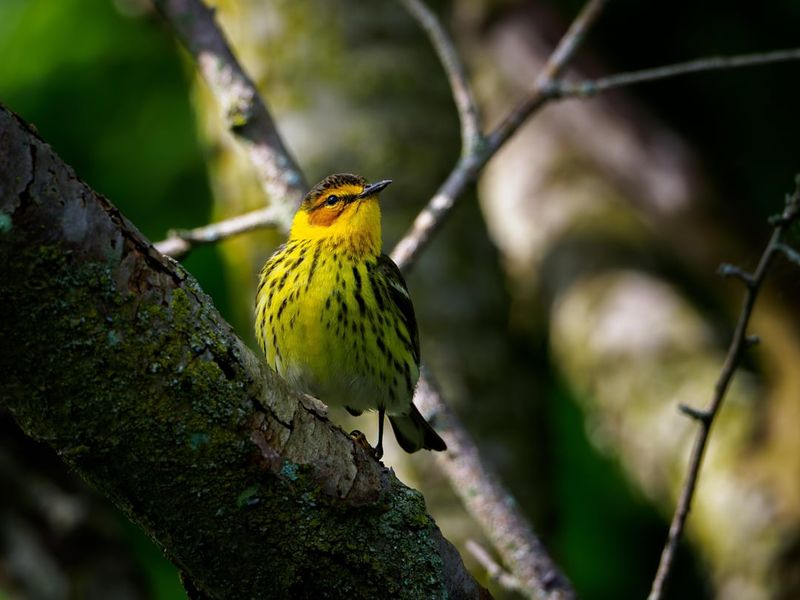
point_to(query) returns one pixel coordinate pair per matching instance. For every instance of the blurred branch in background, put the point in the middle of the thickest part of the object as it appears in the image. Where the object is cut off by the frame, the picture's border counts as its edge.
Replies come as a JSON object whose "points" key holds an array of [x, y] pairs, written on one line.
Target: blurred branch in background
{"points": [[468, 113], [56, 535], [705, 417], [477, 149], [431, 218], [491, 504], [506, 580]]}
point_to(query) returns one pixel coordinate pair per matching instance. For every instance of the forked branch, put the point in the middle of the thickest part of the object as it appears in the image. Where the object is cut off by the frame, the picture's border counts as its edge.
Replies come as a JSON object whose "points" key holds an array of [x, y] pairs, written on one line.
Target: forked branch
{"points": [[466, 170], [705, 417], [477, 148]]}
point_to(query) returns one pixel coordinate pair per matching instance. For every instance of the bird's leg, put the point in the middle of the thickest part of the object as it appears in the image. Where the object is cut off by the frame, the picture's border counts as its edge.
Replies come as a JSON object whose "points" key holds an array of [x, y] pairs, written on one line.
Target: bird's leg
{"points": [[379, 447]]}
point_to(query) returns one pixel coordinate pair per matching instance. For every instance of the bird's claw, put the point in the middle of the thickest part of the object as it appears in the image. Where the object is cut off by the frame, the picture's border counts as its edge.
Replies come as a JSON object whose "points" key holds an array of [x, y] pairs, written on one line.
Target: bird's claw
{"points": [[359, 438]]}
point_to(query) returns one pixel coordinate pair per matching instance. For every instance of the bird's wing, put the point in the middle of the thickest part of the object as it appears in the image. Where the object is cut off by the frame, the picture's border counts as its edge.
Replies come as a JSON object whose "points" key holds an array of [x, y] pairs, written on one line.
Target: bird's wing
{"points": [[398, 293]]}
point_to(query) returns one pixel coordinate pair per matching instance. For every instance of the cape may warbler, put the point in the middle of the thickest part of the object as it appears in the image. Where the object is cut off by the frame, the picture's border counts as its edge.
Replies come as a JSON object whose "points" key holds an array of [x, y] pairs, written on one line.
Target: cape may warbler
{"points": [[333, 314]]}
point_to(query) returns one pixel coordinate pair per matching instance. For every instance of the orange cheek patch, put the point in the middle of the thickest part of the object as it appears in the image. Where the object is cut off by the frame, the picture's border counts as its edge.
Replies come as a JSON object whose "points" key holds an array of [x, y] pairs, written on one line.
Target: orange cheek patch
{"points": [[323, 217]]}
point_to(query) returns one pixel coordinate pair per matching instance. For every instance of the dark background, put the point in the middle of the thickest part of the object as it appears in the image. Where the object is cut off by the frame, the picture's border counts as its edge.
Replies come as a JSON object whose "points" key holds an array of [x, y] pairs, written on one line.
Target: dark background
{"points": [[107, 87]]}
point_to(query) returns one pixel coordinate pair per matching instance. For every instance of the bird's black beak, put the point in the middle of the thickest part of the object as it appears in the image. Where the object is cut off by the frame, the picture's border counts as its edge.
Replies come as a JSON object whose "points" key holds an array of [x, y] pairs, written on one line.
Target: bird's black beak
{"points": [[373, 188]]}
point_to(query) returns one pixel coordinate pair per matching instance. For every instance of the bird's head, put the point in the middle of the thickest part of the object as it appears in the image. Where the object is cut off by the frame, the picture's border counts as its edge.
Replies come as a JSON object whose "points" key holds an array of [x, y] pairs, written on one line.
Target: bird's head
{"points": [[341, 206]]}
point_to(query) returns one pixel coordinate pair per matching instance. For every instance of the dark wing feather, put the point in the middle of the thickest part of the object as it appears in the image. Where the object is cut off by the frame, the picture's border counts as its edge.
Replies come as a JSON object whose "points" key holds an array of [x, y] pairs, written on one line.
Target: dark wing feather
{"points": [[398, 294]]}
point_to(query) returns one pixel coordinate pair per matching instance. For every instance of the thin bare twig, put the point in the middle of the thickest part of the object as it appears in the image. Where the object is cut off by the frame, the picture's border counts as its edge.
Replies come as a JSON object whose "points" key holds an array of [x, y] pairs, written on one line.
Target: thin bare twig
{"points": [[549, 75], [705, 417], [728, 270], [180, 242], [468, 114], [246, 115], [592, 87], [490, 503], [505, 579], [468, 166]]}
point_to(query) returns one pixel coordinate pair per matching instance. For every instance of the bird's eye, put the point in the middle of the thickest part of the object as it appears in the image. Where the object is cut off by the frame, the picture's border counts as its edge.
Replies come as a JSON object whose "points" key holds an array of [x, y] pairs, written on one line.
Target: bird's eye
{"points": [[331, 200]]}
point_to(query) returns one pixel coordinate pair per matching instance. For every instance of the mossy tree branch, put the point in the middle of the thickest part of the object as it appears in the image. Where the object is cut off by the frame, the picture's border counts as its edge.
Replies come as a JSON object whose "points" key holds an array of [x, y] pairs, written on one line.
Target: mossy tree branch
{"points": [[115, 358]]}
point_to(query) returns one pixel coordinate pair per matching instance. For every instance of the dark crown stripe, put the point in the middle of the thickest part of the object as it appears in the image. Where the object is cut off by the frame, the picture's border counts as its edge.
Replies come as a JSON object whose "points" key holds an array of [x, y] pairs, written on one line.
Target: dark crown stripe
{"points": [[332, 182]]}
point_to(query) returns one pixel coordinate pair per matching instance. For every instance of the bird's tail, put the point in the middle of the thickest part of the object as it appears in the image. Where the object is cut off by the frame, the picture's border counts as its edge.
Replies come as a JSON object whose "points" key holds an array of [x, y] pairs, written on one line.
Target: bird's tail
{"points": [[414, 432]]}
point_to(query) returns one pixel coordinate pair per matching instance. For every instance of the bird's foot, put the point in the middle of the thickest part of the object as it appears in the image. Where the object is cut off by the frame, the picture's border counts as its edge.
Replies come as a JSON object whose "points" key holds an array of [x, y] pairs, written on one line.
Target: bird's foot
{"points": [[359, 438]]}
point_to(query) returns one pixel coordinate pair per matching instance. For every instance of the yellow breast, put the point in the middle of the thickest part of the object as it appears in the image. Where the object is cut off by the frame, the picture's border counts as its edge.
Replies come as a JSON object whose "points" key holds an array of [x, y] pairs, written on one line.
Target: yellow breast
{"points": [[326, 323]]}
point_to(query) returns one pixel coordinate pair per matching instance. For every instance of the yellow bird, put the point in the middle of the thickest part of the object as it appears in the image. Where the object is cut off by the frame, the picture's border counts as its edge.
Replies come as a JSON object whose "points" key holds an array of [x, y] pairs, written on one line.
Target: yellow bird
{"points": [[333, 314]]}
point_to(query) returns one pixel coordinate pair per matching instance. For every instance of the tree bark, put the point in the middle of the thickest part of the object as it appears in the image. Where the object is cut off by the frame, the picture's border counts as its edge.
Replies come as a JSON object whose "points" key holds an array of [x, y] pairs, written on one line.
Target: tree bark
{"points": [[116, 358]]}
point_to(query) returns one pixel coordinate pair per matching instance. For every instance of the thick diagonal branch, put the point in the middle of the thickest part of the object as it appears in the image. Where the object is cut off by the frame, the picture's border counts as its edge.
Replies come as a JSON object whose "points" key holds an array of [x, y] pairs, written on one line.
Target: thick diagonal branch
{"points": [[115, 358]]}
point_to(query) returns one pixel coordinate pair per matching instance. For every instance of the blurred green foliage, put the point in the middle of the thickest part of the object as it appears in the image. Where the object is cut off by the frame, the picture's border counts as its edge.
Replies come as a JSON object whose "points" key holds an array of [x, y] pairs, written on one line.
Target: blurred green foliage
{"points": [[608, 536], [109, 92]]}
